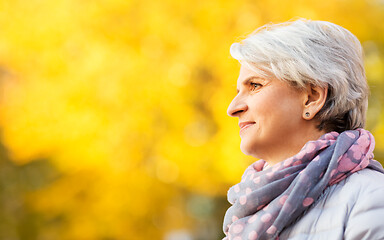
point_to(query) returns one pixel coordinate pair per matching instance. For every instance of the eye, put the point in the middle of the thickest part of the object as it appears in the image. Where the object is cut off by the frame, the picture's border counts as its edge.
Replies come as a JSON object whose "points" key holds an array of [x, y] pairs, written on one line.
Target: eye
{"points": [[255, 86]]}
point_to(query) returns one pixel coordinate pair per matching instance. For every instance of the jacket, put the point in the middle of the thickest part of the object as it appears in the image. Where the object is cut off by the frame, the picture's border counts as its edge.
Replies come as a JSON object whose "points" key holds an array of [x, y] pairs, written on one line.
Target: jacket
{"points": [[352, 209]]}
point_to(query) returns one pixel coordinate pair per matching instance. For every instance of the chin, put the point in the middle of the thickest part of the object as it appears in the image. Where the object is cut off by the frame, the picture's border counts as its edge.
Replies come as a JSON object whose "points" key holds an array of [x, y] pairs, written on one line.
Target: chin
{"points": [[252, 148], [247, 149]]}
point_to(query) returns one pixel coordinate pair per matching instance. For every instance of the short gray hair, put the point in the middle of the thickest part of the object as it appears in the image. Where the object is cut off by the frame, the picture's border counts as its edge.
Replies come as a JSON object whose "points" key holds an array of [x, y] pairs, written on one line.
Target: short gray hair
{"points": [[317, 53]]}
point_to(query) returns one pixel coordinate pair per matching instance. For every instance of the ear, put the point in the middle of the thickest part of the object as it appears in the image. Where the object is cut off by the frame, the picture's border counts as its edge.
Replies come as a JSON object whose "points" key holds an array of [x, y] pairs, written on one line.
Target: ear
{"points": [[314, 100]]}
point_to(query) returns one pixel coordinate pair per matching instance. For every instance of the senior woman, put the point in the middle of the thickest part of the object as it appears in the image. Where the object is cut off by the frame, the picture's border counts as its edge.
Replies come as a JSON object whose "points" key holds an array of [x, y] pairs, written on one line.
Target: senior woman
{"points": [[301, 102]]}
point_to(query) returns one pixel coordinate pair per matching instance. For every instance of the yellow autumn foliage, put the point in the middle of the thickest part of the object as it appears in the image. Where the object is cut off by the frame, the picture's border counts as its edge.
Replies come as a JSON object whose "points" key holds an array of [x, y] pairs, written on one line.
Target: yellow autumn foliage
{"points": [[113, 113]]}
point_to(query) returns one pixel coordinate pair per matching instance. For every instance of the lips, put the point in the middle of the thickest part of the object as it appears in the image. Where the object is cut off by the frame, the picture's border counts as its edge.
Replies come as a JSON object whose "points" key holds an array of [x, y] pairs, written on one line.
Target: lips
{"points": [[244, 125]]}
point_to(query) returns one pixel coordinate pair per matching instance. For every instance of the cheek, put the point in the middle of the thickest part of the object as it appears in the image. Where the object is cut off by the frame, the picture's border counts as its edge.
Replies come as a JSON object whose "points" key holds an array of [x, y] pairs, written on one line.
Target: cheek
{"points": [[277, 106], [281, 111], [277, 103], [288, 116]]}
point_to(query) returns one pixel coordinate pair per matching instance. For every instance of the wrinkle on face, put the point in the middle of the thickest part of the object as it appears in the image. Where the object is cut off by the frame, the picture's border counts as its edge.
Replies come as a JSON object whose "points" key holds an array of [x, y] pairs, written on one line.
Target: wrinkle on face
{"points": [[276, 108]]}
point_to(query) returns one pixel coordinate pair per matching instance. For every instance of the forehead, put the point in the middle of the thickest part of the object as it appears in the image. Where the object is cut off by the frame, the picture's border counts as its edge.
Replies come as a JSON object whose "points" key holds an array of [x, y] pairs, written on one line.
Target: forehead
{"points": [[246, 73]]}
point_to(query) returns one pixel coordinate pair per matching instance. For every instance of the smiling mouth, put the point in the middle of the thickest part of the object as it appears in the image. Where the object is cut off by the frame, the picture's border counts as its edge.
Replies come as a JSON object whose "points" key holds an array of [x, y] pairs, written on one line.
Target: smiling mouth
{"points": [[244, 125]]}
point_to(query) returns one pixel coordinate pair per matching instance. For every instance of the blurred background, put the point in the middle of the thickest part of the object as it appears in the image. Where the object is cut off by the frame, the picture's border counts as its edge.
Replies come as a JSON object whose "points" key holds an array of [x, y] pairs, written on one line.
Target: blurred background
{"points": [[113, 112]]}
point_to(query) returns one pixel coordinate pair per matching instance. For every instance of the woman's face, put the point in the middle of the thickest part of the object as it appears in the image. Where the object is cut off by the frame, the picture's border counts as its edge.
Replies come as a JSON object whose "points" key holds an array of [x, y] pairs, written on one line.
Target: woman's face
{"points": [[270, 115]]}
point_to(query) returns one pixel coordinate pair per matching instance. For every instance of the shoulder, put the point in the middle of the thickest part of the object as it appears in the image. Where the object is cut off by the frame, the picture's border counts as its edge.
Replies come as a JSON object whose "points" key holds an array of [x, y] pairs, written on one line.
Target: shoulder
{"points": [[361, 183], [351, 209], [365, 218], [356, 187], [366, 176]]}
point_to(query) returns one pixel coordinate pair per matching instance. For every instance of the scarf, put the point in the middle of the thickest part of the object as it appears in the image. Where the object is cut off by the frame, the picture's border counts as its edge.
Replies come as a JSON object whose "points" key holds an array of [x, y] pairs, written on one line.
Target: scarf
{"points": [[268, 199]]}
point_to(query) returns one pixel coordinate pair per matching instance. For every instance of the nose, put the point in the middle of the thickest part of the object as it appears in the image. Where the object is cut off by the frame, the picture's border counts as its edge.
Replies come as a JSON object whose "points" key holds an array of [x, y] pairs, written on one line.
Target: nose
{"points": [[236, 107]]}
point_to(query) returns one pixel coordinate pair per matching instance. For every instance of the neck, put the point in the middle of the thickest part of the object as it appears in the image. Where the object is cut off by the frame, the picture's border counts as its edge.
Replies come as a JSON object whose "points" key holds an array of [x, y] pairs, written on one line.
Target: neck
{"points": [[290, 147]]}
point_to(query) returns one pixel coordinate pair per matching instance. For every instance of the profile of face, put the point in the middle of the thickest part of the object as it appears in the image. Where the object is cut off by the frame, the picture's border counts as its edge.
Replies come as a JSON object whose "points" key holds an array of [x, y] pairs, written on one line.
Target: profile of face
{"points": [[271, 115]]}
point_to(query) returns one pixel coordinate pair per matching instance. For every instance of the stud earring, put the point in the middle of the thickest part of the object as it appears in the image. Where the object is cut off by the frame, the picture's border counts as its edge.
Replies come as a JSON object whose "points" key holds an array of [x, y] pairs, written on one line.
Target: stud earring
{"points": [[307, 114]]}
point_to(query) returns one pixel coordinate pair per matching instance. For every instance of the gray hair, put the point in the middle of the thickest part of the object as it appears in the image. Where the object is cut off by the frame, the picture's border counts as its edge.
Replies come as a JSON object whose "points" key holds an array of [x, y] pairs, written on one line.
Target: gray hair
{"points": [[317, 53]]}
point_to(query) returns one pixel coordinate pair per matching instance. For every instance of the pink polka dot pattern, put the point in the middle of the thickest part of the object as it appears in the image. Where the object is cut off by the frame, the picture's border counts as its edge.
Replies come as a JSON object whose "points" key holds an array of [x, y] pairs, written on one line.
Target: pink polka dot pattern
{"points": [[351, 135], [254, 210], [300, 155], [252, 235], [243, 200], [307, 201], [345, 165], [283, 199], [297, 163], [266, 217], [238, 228], [252, 219], [271, 230], [310, 147], [357, 155], [303, 176], [259, 165]]}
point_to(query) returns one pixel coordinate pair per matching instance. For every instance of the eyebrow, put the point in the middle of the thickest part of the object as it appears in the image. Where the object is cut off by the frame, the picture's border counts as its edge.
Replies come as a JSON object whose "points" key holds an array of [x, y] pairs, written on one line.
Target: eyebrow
{"points": [[247, 80]]}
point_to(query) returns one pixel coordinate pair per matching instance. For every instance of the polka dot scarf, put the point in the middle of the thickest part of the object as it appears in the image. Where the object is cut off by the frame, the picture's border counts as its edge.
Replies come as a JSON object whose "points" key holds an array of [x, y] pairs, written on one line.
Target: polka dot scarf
{"points": [[268, 199]]}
